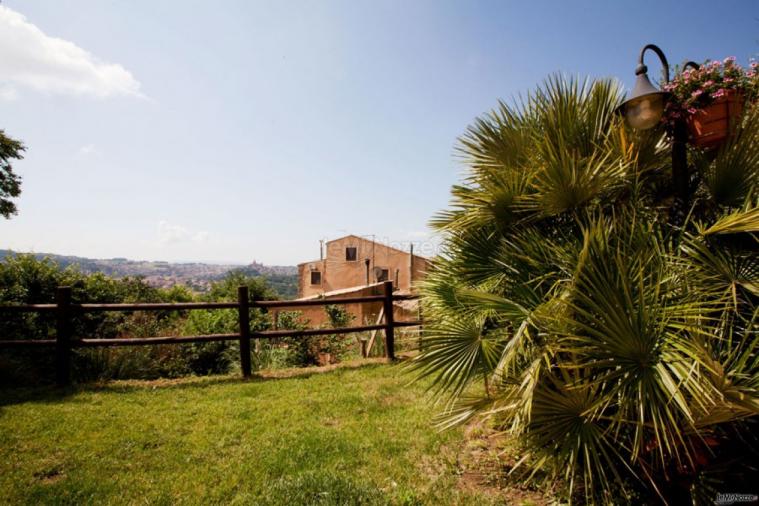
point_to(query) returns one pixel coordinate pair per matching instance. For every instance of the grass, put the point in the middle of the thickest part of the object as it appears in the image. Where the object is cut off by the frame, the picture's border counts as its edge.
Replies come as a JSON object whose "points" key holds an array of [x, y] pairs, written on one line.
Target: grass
{"points": [[347, 436]]}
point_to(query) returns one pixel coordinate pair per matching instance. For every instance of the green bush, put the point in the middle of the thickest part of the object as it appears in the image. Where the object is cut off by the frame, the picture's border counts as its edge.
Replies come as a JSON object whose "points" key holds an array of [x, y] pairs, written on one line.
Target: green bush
{"points": [[337, 344], [289, 351], [27, 280], [608, 327], [301, 351]]}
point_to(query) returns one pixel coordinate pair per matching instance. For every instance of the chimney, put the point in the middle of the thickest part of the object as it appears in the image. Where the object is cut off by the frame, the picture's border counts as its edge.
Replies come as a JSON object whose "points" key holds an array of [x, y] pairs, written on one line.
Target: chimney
{"points": [[367, 262]]}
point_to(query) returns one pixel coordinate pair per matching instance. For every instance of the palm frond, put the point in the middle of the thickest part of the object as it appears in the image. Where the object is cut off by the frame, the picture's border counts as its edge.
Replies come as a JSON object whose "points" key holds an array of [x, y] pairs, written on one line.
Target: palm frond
{"points": [[733, 172], [570, 309], [457, 351], [744, 220]]}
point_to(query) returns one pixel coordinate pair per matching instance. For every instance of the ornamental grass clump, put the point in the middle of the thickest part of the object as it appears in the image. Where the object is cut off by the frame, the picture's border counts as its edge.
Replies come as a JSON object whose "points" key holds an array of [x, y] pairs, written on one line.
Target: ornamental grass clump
{"points": [[617, 345]]}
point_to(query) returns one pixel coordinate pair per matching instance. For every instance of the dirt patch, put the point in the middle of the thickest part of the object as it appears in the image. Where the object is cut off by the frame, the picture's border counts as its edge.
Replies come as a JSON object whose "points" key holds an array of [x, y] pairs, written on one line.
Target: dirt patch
{"points": [[483, 461], [50, 475]]}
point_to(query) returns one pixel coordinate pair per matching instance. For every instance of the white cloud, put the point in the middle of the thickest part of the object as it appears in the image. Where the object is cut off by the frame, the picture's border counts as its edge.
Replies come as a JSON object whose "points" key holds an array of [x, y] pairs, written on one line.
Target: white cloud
{"points": [[169, 233], [8, 93], [33, 60], [200, 236], [88, 150]]}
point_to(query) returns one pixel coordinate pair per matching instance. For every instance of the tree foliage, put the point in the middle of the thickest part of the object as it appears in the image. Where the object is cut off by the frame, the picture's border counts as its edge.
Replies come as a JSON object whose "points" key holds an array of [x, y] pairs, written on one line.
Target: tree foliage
{"points": [[10, 182], [25, 279], [574, 308], [226, 288]]}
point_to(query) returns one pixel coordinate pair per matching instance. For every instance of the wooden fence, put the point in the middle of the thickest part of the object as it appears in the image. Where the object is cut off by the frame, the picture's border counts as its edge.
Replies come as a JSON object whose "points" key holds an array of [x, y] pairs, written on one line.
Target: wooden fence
{"points": [[64, 309]]}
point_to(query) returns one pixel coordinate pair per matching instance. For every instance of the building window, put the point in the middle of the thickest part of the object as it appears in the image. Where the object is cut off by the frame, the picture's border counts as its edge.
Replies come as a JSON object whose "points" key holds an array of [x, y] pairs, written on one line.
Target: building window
{"points": [[316, 278], [383, 275], [351, 254]]}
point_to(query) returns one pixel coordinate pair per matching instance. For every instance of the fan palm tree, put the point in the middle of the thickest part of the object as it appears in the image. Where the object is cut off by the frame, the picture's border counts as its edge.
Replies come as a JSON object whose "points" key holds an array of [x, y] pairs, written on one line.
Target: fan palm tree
{"points": [[613, 335]]}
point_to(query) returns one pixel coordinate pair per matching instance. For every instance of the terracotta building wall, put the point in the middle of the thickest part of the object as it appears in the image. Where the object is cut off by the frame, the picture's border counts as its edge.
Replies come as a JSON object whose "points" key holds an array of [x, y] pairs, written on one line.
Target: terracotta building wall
{"points": [[337, 272], [365, 313], [305, 288]]}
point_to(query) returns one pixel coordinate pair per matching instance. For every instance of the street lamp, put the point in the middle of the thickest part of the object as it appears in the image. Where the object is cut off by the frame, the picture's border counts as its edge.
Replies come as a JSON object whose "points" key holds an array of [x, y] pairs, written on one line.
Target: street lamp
{"points": [[644, 109], [645, 106]]}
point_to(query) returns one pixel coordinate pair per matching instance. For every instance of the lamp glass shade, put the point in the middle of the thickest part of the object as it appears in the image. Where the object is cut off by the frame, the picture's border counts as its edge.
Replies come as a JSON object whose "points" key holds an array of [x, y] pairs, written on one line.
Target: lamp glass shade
{"points": [[646, 111], [645, 106]]}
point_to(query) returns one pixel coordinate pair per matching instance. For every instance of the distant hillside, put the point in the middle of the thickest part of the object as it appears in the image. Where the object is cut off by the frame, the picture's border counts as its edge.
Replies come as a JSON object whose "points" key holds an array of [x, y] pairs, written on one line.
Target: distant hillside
{"points": [[196, 275]]}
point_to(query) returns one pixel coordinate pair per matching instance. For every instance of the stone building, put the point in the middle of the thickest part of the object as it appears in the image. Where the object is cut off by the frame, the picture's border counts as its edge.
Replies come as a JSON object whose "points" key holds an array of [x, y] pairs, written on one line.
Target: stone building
{"points": [[353, 261], [353, 266]]}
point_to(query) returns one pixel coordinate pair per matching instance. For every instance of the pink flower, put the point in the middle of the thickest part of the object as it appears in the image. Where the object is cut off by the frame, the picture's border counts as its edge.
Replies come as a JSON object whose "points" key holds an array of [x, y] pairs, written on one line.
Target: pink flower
{"points": [[729, 59], [719, 93], [728, 80], [691, 110], [696, 93], [708, 83], [754, 64]]}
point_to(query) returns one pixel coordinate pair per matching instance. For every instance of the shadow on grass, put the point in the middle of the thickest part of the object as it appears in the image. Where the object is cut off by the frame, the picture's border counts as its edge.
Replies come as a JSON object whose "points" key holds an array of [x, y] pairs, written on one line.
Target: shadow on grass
{"points": [[50, 394]]}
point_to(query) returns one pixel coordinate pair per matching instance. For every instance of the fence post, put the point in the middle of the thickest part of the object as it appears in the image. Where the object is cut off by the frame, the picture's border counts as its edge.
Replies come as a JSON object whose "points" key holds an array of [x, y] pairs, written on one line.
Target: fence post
{"points": [[362, 343], [420, 317], [257, 340], [243, 306], [389, 324], [63, 336]]}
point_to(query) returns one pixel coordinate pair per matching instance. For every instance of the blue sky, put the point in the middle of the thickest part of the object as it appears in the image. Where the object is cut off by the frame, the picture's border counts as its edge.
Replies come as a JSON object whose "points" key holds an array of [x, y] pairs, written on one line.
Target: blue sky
{"points": [[241, 130]]}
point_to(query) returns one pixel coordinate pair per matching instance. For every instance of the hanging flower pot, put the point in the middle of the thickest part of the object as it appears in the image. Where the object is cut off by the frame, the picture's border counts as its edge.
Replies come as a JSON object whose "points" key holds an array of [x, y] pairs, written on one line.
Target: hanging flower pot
{"points": [[711, 126], [710, 99]]}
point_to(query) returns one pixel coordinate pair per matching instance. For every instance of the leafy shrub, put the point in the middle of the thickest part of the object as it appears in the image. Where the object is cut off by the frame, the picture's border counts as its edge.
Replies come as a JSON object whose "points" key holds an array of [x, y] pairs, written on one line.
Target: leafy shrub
{"points": [[273, 356], [336, 344], [289, 351], [218, 357], [27, 280], [576, 307]]}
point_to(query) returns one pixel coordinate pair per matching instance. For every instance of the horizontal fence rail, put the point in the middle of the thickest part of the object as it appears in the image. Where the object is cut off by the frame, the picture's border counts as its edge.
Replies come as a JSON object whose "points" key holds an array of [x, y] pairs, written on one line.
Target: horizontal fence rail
{"points": [[64, 310], [181, 306]]}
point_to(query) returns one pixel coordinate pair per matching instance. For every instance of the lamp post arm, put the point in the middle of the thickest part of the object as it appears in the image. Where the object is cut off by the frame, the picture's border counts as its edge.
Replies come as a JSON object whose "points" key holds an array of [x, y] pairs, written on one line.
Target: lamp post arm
{"points": [[691, 64], [642, 69]]}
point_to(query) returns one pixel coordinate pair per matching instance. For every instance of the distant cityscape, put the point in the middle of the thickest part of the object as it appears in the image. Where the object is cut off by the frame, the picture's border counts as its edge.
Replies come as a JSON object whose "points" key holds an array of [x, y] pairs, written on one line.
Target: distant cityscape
{"points": [[195, 275]]}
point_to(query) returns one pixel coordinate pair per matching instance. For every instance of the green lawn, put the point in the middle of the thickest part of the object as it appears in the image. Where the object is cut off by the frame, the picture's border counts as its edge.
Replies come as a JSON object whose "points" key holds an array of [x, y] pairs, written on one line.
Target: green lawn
{"points": [[348, 436]]}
